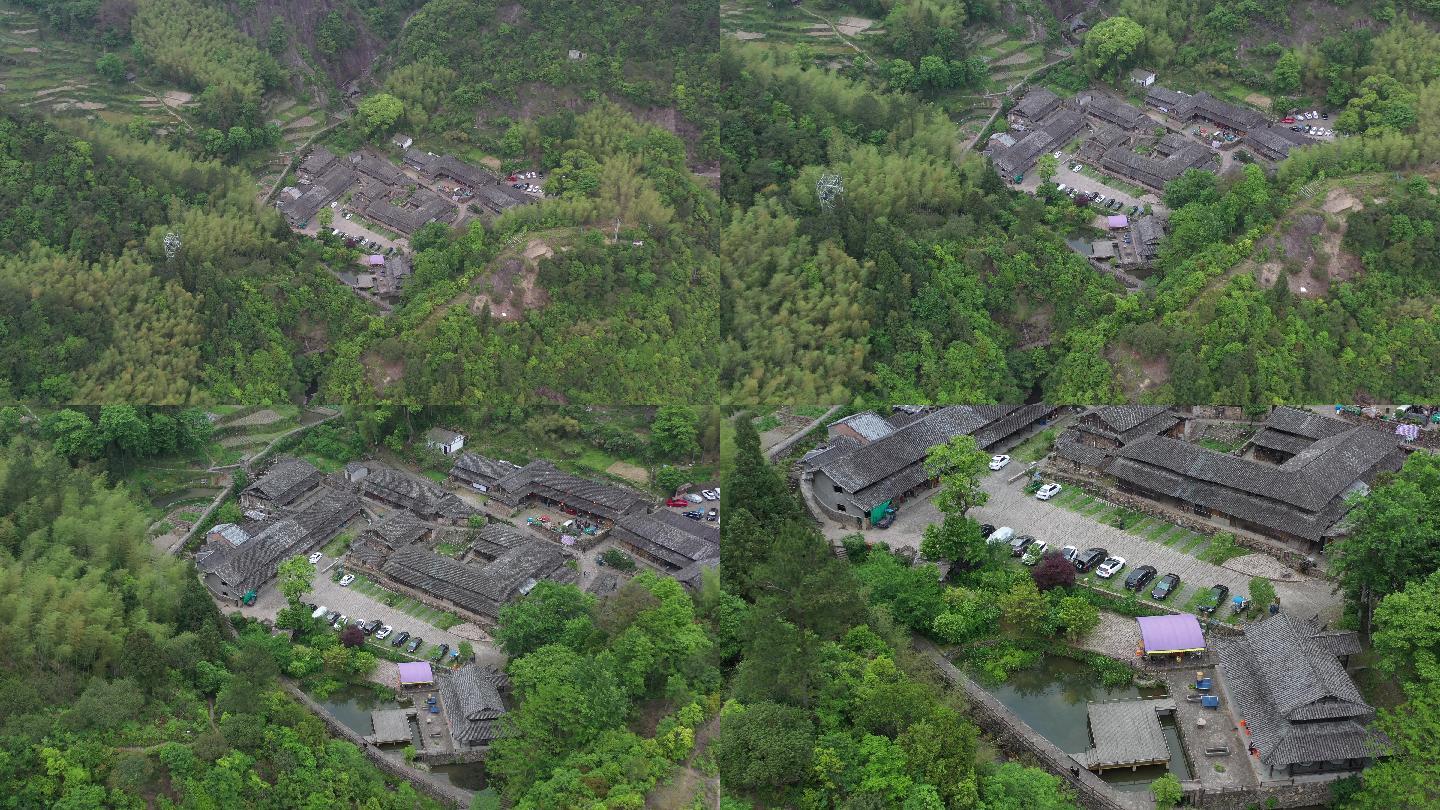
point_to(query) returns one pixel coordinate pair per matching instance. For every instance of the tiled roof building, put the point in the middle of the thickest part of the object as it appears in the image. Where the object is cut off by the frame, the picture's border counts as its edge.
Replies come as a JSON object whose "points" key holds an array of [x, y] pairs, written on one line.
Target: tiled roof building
{"points": [[1300, 706], [473, 468], [473, 708], [229, 571], [286, 480], [541, 480], [668, 540]]}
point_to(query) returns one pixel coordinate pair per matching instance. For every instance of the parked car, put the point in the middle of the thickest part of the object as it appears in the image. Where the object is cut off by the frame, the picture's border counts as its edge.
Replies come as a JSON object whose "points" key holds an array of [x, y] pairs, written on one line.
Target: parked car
{"points": [[694, 514], [340, 621], [1214, 599], [710, 494], [986, 530], [1090, 558], [714, 514], [693, 498], [1034, 552], [444, 648], [1019, 544], [1077, 167], [372, 626], [1004, 534], [315, 558], [1061, 188], [999, 462], [1048, 491], [360, 623], [331, 617], [1058, 154], [414, 644], [1069, 552], [676, 502], [317, 612], [1140, 577], [1287, 120], [1110, 567], [886, 520], [400, 638], [1165, 586], [346, 580]]}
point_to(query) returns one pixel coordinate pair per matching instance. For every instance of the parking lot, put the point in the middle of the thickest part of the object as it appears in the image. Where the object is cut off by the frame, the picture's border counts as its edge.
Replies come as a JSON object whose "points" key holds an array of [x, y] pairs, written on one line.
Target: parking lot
{"points": [[356, 227], [1010, 505], [1091, 185]]}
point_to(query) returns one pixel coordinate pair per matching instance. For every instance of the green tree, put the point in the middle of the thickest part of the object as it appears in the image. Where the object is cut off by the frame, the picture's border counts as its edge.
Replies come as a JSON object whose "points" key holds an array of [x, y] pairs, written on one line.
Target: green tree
{"points": [[1286, 78], [1077, 615], [1407, 631], [1166, 791], [1409, 776], [72, 433], [551, 613], [675, 432], [764, 746], [1110, 46], [1262, 592], [377, 113], [294, 576], [957, 539], [1016, 787], [960, 466], [1025, 608], [1047, 166], [111, 67]]}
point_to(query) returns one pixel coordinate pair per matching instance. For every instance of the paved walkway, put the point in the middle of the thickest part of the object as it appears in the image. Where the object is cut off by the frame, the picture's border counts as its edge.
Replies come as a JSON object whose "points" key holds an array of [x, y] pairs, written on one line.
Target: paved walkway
{"points": [[1011, 506]]}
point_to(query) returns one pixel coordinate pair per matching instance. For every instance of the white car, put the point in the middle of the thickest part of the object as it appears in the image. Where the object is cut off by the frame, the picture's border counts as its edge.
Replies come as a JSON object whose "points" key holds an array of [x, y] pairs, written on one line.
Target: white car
{"points": [[1004, 534], [1077, 167], [1048, 491], [348, 215], [1034, 552], [693, 498], [1110, 567], [998, 462], [710, 494], [315, 558], [1058, 155], [346, 580], [1061, 187], [383, 631], [1069, 553]]}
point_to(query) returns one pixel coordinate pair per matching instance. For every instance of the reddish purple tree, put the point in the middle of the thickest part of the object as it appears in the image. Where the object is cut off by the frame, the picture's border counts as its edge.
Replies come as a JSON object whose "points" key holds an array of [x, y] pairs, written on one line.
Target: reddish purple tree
{"points": [[353, 636], [1053, 571]]}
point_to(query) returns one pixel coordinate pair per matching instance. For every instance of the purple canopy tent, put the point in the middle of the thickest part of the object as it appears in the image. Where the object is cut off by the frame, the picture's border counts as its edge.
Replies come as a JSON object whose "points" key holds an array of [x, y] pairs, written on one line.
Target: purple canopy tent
{"points": [[1115, 221], [1169, 635], [415, 673]]}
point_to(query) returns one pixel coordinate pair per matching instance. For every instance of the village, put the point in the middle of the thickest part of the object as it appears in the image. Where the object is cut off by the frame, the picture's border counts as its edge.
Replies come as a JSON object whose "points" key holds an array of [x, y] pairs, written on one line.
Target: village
{"points": [[1179, 513], [423, 569], [374, 204], [1116, 153]]}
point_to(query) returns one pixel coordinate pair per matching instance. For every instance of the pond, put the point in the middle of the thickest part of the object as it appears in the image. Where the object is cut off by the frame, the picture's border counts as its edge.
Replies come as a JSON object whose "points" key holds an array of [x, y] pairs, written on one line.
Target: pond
{"points": [[1052, 696], [199, 495], [352, 706]]}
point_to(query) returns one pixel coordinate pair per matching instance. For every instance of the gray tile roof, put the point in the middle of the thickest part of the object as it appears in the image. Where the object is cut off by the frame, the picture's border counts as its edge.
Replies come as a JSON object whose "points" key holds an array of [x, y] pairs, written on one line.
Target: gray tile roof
{"points": [[398, 528], [1117, 112], [1297, 700], [286, 478], [1302, 497], [480, 589], [1158, 96], [875, 473], [868, 424], [254, 563], [422, 207], [494, 539], [542, 479], [674, 539], [1037, 103], [471, 698], [375, 167], [318, 194], [1275, 143], [1057, 128], [1151, 170], [1126, 732], [478, 469], [1121, 418], [319, 160], [420, 495], [1291, 430], [1078, 452]]}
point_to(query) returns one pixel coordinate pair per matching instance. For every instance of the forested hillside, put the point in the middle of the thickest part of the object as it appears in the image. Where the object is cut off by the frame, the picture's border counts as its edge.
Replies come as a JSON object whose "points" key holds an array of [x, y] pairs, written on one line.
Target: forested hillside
{"points": [[96, 308], [926, 278]]}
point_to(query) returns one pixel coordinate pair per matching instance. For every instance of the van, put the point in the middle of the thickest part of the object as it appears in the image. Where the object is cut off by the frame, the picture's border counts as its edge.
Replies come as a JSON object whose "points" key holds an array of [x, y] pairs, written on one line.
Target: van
{"points": [[318, 612], [1004, 534]]}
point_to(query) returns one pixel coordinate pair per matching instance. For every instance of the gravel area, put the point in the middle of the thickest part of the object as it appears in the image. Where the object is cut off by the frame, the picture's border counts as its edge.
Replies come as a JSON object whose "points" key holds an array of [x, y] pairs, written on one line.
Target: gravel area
{"points": [[1116, 636], [1011, 506]]}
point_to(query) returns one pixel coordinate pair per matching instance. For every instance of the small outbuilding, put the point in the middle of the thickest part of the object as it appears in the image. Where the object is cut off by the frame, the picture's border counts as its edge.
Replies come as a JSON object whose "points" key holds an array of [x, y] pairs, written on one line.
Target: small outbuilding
{"points": [[1170, 635], [446, 441]]}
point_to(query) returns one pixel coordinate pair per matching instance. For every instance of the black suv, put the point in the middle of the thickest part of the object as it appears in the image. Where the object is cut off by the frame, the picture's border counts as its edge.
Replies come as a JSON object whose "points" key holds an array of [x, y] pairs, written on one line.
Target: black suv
{"points": [[1140, 577], [1214, 599], [401, 638], [1019, 544], [986, 530], [1166, 585], [375, 624], [414, 644], [1089, 558]]}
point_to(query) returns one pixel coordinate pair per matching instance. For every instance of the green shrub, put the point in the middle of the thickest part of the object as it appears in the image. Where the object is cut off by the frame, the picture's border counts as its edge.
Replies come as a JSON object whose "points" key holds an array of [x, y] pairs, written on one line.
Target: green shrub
{"points": [[856, 549]]}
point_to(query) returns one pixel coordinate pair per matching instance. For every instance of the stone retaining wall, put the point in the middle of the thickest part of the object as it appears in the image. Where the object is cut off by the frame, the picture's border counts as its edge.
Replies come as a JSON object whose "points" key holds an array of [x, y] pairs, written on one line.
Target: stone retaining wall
{"points": [[1298, 794], [423, 782]]}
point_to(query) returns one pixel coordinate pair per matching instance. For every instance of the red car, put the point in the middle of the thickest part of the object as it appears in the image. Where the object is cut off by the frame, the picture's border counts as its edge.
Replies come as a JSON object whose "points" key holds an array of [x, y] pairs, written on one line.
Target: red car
{"points": [[569, 510], [1287, 120], [677, 502]]}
